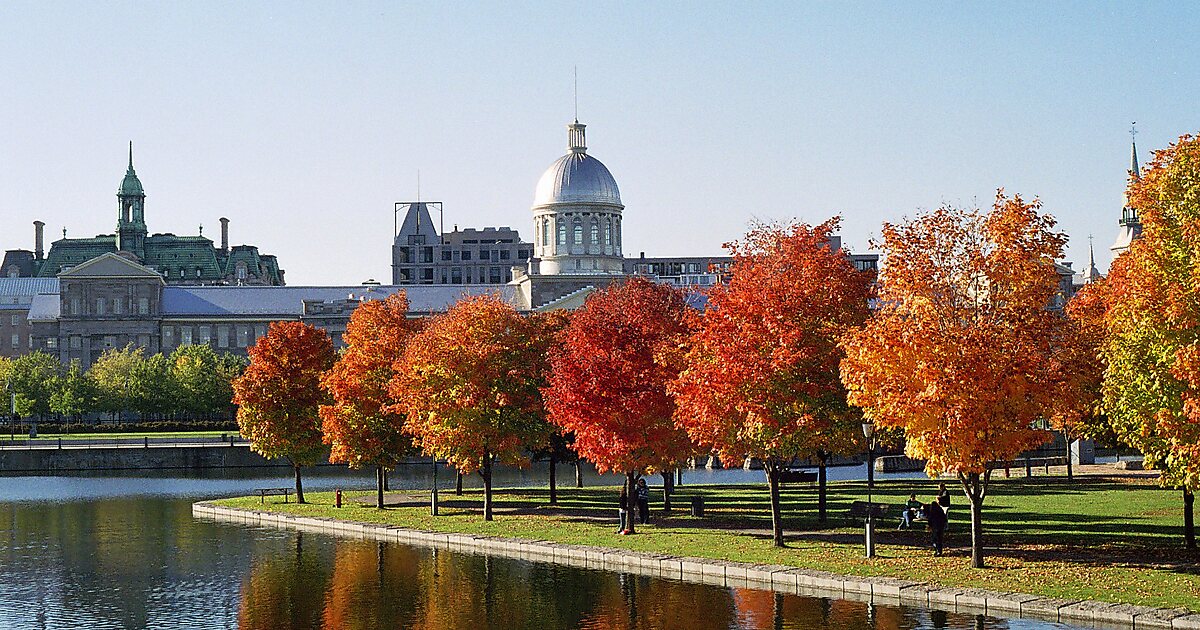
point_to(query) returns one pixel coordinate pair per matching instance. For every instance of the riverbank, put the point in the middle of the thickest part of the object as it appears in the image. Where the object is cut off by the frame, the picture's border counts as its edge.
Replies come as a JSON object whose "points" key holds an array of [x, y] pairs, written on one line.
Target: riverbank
{"points": [[1094, 539]]}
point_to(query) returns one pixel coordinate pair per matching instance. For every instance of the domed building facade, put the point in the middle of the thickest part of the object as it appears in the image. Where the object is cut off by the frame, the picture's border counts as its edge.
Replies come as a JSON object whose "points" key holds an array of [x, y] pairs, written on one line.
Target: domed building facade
{"points": [[577, 214]]}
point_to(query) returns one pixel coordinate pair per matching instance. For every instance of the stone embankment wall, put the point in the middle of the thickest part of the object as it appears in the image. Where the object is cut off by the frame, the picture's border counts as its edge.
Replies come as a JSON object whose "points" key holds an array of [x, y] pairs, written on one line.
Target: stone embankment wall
{"points": [[740, 575], [131, 457]]}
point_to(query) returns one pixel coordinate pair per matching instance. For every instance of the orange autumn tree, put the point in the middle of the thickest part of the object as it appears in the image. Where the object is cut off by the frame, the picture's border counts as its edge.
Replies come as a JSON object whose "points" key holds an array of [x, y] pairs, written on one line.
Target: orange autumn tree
{"points": [[359, 424], [963, 353], [279, 394], [761, 377], [1151, 348], [609, 377], [468, 385]]}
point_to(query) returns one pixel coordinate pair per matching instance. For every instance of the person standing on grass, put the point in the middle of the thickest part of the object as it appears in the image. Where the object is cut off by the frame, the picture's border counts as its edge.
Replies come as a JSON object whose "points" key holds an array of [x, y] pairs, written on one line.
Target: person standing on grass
{"points": [[943, 497], [623, 510], [936, 516], [643, 502]]}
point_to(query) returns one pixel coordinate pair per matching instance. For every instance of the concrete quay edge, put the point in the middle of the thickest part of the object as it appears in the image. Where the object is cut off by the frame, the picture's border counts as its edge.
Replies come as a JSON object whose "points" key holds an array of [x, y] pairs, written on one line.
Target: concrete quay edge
{"points": [[779, 578]]}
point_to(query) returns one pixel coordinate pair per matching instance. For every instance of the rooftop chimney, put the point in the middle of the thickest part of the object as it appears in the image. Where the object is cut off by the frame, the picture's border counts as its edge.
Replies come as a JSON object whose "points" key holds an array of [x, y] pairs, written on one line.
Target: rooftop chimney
{"points": [[38, 250], [225, 235]]}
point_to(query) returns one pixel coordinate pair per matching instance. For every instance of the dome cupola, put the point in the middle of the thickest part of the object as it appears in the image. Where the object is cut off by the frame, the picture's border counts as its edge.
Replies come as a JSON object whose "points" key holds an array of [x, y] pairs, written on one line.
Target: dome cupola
{"points": [[577, 177], [577, 214]]}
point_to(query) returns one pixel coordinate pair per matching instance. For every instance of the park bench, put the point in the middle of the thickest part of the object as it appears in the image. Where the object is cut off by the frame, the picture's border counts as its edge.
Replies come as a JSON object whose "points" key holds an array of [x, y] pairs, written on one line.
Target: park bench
{"points": [[795, 475], [263, 493], [860, 509]]}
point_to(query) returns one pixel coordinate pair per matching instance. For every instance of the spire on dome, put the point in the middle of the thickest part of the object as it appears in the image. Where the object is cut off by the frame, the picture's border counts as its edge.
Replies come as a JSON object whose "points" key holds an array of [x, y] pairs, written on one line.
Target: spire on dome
{"points": [[131, 185], [576, 137]]}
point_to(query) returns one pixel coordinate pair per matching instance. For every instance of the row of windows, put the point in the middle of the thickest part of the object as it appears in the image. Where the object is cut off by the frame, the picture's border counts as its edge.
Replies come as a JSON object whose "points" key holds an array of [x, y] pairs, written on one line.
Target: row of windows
{"points": [[110, 306], [408, 255], [240, 336], [593, 232]]}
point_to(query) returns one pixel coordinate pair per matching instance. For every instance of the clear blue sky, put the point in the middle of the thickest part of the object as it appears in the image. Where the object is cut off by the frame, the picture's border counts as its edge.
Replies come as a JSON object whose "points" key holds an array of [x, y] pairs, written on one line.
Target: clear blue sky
{"points": [[303, 122]]}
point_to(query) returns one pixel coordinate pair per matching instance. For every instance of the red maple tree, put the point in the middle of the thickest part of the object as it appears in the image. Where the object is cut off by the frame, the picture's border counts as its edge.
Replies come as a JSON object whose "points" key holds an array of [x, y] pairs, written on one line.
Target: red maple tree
{"points": [[609, 377], [279, 394], [761, 377], [468, 386], [359, 424]]}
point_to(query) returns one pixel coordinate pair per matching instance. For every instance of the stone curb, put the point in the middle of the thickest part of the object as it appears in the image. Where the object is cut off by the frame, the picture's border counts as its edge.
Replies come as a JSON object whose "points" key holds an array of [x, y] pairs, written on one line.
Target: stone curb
{"points": [[779, 578]]}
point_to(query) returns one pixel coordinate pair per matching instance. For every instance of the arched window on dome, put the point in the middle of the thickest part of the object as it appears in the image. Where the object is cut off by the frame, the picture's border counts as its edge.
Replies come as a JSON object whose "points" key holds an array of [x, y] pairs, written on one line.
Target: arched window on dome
{"points": [[545, 232], [578, 232], [608, 233], [617, 234], [562, 233], [595, 241]]}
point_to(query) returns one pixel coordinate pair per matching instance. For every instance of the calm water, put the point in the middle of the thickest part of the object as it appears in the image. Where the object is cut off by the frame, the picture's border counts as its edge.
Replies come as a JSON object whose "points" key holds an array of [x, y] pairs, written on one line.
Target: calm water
{"points": [[125, 552]]}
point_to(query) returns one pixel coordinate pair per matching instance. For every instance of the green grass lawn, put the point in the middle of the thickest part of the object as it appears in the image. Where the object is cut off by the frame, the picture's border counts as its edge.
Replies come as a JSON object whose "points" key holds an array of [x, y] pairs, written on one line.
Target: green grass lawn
{"points": [[1094, 538]]}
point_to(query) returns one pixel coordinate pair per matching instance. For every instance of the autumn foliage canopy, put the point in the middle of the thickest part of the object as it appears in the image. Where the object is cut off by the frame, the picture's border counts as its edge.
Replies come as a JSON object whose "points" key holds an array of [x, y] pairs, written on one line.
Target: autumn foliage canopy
{"points": [[762, 374], [280, 392], [360, 426], [468, 384], [610, 374], [1152, 323], [964, 353]]}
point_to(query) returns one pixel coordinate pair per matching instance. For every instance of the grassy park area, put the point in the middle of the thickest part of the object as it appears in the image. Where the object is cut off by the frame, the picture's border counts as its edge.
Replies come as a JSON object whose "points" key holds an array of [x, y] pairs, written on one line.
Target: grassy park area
{"points": [[1096, 537]]}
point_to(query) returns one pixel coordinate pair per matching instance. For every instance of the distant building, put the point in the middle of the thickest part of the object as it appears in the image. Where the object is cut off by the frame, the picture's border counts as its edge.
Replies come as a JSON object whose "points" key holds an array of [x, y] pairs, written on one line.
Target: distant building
{"points": [[179, 260], [471, 256], [16, 296], [113, 301]]}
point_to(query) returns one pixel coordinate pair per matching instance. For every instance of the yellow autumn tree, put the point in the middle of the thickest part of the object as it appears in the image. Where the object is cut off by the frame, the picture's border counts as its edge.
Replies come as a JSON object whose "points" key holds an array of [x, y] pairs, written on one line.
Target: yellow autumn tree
{"points": [[963, 352]]}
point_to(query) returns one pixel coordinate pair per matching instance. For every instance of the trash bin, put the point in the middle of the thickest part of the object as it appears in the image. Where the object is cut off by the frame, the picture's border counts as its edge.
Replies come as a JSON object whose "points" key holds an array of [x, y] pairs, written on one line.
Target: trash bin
{"points": [[697, 506]]}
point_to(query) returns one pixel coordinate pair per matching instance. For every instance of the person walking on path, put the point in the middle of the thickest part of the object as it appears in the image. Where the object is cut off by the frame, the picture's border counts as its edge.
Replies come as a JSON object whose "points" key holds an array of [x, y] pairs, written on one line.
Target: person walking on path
{"points": [[937, 525], [623, 510], [643, 502]]}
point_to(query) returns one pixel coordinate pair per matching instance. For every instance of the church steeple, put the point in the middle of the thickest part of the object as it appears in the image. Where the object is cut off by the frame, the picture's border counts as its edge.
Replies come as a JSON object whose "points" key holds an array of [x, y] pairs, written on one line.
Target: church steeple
{"points": [[131, 219], [1130, 224]]}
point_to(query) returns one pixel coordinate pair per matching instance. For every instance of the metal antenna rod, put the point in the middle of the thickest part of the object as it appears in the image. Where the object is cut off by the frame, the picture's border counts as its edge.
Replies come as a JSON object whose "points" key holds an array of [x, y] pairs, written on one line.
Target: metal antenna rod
{"points": [[576, 93]]}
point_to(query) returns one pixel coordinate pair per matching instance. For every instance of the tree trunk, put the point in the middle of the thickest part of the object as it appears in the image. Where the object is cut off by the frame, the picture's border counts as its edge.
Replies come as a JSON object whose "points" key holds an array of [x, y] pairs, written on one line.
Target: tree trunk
{"points": [[458, 485], [486, 473], [1070, 472], [387, 479], [772, 469], [667, 489], [553, 480], [578, 473], [1189, 521], [379, 487], [822, 478], [630, 501], [299, 485], [976, 490]]}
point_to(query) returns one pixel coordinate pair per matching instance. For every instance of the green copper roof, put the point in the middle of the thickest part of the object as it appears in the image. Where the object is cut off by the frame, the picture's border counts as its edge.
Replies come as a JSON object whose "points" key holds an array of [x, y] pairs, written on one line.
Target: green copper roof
{"points": [[131, 185]]}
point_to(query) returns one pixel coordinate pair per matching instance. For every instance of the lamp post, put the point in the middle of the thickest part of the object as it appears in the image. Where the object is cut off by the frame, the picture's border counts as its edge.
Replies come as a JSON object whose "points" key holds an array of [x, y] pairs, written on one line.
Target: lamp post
{"points": [[868, 428]]}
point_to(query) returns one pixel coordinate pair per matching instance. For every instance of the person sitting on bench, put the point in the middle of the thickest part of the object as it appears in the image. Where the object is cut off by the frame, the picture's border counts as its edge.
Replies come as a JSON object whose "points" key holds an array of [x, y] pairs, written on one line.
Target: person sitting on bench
{"points": [[913, 510]]}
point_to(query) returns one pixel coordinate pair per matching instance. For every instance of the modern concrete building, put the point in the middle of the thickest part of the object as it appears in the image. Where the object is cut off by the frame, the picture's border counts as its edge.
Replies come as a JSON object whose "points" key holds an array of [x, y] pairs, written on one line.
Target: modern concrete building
{"points": [[180, 260]]}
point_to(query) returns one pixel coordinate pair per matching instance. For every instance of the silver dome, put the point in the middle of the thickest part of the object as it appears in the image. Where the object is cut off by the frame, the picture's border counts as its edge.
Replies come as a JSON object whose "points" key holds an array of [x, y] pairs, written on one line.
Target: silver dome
{"points": [[577, 178]]}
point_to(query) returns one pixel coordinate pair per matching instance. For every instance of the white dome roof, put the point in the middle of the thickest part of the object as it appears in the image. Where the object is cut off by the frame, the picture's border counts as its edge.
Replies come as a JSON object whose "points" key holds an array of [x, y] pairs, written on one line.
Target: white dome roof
{"points": [[577, 178]]}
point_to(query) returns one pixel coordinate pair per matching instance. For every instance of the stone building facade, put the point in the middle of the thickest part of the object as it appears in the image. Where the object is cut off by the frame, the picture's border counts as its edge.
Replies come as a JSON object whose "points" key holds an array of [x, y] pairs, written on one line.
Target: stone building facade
{"points": [[16, 296]]}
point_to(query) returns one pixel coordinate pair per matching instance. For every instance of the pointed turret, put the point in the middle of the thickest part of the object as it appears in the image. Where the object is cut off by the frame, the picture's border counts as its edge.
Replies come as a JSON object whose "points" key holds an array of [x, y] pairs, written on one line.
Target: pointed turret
{"points": [[131, 221]]}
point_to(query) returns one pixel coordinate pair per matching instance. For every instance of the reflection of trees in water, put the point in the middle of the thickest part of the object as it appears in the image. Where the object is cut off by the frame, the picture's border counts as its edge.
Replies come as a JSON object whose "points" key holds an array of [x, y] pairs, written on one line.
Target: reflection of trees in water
{"points": [[286, 590], [625, 602]]}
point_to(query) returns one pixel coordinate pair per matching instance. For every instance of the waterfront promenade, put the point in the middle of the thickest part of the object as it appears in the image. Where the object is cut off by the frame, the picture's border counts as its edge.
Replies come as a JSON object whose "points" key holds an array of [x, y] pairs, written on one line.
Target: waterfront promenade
{"points": [[1095, 539]]}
